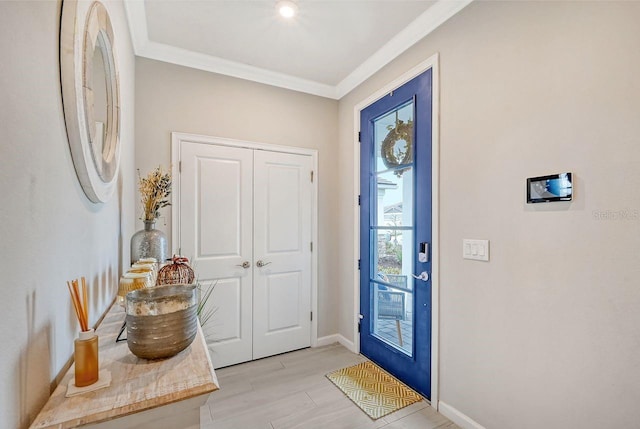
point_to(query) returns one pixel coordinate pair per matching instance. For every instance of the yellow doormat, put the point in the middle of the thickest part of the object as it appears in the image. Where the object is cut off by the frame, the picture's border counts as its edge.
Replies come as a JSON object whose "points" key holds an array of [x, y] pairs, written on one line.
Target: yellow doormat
{"points": [[373, 390]]}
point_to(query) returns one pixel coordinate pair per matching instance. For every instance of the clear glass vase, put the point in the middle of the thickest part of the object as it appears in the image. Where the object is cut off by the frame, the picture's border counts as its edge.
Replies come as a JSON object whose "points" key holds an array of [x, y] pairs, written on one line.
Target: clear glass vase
{"points": [[149, 243]]}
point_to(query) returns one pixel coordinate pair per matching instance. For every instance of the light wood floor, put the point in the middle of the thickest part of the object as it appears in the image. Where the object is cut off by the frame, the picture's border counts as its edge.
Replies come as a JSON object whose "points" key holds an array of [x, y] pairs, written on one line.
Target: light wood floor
{"points": [[291, 391]]}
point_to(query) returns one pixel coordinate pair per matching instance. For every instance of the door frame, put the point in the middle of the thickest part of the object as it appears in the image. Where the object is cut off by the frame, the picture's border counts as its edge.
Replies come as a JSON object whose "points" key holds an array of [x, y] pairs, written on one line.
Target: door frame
{"points": [[177, 138], [430, 63]]}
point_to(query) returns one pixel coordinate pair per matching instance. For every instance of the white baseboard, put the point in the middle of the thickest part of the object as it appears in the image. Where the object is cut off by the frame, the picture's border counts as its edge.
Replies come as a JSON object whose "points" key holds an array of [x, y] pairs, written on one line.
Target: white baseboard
{"points": [[325, 341], [349, 345], [336, 338], [458, 417]]}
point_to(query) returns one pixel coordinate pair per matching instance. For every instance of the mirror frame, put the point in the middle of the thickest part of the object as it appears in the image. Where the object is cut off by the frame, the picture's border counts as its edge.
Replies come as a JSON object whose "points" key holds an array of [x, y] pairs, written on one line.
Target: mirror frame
{"points": [[86, 29]]}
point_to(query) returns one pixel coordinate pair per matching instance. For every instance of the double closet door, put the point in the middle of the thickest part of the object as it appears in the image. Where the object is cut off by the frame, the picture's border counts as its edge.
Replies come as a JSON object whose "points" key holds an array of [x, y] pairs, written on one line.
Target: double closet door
{"points": [[245, 223]]}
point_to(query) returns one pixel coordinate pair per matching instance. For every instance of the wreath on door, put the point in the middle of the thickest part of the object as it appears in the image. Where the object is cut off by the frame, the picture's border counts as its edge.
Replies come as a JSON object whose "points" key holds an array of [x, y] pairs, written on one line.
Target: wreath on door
{"points": [[395, 155], [397, 147]]}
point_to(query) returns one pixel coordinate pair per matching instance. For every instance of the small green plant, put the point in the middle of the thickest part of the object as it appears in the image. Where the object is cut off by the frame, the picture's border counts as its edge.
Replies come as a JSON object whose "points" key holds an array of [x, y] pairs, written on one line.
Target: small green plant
{"points": [[204, 293], [398, 253]]}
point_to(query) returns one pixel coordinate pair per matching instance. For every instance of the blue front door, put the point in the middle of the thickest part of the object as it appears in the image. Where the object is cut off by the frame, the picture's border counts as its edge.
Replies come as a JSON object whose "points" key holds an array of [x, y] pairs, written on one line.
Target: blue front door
{"points": [[395, 232]]}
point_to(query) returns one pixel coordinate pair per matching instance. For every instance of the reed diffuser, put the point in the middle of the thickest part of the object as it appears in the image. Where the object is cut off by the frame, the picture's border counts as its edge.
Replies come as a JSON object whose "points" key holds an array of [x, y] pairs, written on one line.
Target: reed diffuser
{"points": [[86, 345]]}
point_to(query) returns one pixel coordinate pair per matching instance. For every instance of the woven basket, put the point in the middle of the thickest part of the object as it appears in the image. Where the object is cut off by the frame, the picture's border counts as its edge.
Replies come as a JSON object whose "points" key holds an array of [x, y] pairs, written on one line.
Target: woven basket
{"points": [[177, 272]]}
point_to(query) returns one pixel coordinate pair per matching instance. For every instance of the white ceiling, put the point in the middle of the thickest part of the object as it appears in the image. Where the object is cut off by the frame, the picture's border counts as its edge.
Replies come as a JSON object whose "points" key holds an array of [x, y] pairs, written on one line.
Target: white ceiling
{"points": [[328, 49]]}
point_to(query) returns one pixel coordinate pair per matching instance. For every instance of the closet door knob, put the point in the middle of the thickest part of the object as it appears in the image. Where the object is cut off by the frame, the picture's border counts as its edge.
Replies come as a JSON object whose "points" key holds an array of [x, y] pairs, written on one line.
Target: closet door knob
{"points": [[245, 264], [261, 264]]}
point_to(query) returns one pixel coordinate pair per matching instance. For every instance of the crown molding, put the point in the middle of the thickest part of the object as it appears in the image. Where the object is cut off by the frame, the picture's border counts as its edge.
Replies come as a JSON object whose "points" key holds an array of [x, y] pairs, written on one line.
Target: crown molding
{"points": [[137, 20], [196, 60], [423, 25]]}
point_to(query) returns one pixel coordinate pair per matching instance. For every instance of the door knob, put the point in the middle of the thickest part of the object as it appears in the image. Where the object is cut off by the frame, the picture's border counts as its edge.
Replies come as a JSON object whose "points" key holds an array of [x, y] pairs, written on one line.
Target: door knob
{"points": [[261, 264], [422, 276], [245, 264]]}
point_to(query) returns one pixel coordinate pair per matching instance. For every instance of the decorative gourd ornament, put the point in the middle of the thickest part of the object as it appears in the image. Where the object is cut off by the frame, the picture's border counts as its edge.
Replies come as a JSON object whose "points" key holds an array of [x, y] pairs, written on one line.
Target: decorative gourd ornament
{"points": [[177, 272]]}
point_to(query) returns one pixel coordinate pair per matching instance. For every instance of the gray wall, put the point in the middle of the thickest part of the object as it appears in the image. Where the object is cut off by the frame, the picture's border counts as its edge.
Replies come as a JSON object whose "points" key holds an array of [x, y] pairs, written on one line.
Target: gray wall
{"points": [[50, 231], [547, 333], [173, 98]]}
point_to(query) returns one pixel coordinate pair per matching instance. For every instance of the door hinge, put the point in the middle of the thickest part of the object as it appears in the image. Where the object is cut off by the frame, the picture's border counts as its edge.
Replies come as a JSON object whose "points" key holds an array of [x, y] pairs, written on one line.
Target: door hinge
{"points": [[359, 136], [359, 264], [311, 316], [311, 176], [179, 166], [359, 199], [359, 326], [179, 253], [311, 246]]}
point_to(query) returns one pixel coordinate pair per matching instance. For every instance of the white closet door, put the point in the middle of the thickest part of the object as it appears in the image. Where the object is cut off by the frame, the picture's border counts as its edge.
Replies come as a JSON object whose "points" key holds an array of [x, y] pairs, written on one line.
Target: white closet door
{"points": [[282, 241], [216, 206]]}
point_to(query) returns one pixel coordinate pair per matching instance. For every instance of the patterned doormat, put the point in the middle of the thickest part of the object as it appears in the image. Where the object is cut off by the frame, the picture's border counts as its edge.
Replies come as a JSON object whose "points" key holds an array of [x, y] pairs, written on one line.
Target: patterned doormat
{"points": [[373, 390]]}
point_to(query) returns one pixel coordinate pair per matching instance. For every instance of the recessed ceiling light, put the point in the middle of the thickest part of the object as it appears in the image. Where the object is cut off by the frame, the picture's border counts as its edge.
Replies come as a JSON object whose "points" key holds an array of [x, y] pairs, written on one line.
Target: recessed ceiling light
{"points": [[287, 8]]}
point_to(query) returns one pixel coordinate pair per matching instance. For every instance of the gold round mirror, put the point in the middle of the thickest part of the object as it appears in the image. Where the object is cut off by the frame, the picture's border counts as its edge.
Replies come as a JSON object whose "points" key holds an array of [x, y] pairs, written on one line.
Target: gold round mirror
{"points": [[91, 96]]}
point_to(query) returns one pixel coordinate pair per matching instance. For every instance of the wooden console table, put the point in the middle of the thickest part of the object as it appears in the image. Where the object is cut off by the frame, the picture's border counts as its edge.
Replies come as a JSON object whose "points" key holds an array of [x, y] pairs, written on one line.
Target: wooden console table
{"points": [[156, 394]]}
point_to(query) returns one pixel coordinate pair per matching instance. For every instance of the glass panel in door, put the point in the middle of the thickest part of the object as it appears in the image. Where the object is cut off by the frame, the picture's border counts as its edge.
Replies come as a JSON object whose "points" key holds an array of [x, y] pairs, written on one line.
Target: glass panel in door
{"points": [[392, 230]]}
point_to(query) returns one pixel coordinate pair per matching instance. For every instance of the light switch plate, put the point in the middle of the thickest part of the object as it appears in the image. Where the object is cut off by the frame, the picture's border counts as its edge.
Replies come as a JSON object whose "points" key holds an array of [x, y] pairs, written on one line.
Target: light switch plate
{"points": [[475, 249]]}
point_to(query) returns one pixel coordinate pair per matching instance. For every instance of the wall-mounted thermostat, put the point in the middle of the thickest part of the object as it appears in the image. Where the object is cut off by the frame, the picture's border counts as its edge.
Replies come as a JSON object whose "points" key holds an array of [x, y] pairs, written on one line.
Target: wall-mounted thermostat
{"points": [[555, 187]]}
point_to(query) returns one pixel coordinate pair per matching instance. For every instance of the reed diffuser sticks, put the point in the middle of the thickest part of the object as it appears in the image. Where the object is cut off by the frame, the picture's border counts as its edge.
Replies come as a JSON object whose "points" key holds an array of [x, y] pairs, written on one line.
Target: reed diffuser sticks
{"points": [[80, 302]]}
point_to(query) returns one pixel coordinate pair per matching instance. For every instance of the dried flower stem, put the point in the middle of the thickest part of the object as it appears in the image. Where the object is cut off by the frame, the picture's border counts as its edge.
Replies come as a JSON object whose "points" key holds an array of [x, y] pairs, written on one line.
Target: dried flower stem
{"points": [[154, 193]]}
